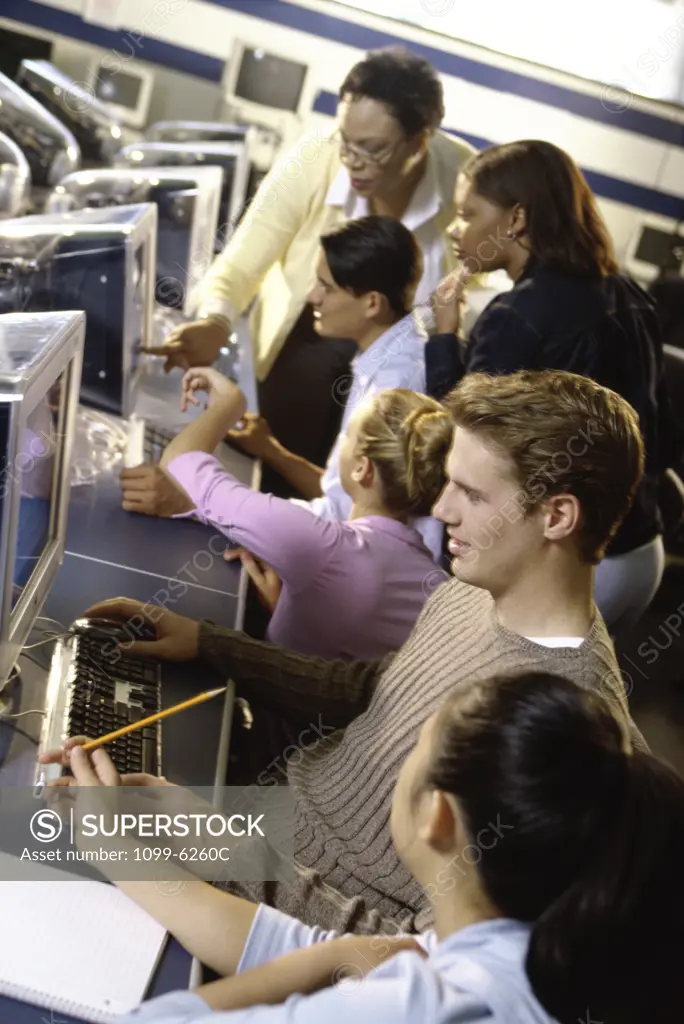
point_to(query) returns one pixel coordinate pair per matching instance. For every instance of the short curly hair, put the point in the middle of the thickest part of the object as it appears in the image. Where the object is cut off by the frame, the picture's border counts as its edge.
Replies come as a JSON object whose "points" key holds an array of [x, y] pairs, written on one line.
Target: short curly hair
{"points": [[407, 84]]}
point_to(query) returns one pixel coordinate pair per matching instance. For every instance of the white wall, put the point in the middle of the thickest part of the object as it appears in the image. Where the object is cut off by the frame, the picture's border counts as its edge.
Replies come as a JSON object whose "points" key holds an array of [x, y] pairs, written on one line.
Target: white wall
{"points": [[479, 110], [636, 43]]}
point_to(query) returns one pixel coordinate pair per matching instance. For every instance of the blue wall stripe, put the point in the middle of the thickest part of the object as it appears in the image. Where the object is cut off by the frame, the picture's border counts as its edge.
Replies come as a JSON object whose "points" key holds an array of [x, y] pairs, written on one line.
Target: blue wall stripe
{"points": [[326, 103], [644, 198], [125, 43], [603, 185], [339, 30], [478, 73], [179, 58]]}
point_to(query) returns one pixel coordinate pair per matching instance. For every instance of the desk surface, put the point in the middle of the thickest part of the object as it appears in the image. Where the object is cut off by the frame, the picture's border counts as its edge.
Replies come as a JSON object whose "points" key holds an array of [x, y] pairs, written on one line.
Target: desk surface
{"points": [[112, 553], [163, 549]]}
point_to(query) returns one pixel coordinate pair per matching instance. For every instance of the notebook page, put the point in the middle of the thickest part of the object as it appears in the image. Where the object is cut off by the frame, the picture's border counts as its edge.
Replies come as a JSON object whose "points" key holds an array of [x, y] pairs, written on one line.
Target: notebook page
{"points": [[77, 946]]}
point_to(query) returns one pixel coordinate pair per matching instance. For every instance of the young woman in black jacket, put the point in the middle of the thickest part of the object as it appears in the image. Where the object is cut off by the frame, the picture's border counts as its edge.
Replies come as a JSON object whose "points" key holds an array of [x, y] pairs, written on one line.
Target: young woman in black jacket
{"points": [[525, 207]]}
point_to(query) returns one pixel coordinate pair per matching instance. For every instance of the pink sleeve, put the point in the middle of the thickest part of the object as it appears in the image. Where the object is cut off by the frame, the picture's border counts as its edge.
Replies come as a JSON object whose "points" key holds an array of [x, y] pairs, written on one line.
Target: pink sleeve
{"points": [[296, 543]]}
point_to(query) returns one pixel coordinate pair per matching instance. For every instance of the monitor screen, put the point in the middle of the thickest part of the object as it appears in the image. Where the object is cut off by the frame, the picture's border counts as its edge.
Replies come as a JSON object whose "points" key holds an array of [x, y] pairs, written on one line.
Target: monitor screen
{"points": [[33, 472], [176, 210], [660, 248], [190, 155], [269, 80], [94, 277], [40, 361], [35, 468], [118, 87], [90, 274]]}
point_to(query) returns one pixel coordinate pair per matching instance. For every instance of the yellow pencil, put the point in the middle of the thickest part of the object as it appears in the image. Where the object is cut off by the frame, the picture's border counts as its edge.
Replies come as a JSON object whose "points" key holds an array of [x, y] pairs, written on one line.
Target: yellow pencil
{"points": [[153, 718]]}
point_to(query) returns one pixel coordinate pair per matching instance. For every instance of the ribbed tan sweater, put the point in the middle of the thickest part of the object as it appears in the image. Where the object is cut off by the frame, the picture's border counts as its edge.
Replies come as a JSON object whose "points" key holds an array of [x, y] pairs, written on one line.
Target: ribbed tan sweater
{"points": [[343, 785]]}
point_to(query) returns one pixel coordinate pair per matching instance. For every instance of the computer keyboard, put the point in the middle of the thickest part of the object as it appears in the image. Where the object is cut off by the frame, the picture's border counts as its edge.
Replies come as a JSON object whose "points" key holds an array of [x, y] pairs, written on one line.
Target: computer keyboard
{"points": [[92, 693], [147, 443], [154, 443]]}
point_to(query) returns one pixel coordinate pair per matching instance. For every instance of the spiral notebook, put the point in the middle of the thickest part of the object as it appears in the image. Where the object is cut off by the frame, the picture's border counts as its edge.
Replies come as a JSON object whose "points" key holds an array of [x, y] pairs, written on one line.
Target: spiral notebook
{"points": [[75, 947]]}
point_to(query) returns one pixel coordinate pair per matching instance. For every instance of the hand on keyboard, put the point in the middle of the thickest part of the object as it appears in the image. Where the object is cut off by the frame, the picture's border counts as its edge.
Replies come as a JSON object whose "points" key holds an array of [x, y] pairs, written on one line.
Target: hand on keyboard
{"points": [[177, 636], [149, 491]]}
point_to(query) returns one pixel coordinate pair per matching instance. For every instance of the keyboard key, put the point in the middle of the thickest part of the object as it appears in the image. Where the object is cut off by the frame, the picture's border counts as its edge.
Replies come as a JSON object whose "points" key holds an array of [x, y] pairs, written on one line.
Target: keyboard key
{"points": [[149, 757], [95, 711]]}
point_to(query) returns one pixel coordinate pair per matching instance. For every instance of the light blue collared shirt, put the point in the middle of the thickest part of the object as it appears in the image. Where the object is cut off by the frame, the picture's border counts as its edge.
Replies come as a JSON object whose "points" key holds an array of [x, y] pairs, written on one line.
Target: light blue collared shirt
{"points": [[476, 976], [395, 360]]}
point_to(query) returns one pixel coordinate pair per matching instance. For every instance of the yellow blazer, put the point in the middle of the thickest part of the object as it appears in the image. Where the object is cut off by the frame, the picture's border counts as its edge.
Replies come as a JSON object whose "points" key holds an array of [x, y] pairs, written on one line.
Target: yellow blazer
{"points": [[271, 256]]}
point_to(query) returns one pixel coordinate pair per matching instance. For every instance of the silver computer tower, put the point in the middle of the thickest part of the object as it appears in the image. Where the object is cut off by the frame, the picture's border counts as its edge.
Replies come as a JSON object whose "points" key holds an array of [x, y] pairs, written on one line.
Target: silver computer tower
{"points": [[102, 261]]}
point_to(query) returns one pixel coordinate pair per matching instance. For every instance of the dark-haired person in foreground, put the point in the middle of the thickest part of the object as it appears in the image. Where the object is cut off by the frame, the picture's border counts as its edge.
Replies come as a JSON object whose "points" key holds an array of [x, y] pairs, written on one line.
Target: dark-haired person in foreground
{"points": [[386, 156], [525, 208], [548, 847], [524, 548]]}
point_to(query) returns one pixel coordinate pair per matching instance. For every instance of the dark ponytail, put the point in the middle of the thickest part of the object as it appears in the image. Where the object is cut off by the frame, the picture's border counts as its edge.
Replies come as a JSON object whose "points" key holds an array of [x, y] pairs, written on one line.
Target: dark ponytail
{"points": [[590, 849]]}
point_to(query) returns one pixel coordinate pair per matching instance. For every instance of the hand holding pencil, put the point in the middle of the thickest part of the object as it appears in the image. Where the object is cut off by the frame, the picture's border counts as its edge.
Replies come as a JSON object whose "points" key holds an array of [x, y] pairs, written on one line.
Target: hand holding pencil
{"points": [[65, 755]]}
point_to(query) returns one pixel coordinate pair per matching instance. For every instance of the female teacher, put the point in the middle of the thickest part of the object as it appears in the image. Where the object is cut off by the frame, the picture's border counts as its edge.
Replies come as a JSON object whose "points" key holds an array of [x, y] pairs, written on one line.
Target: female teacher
{"points": [[386, 157]]}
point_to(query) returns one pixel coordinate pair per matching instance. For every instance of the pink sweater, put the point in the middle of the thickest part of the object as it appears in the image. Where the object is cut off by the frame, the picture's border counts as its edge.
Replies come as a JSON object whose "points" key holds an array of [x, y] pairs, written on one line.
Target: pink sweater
{"points": [[350, 590]]}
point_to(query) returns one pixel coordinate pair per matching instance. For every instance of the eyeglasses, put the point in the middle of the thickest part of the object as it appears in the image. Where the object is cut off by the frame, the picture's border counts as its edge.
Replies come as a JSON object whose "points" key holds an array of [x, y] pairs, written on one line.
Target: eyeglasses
{"points": [[347, 150]]}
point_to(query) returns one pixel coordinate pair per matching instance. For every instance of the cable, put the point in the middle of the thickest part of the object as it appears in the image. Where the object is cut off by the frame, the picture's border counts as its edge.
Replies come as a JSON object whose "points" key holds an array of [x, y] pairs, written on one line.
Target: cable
{"points": [[14, 677], [48, 639], [46, 618], [20, 714]]}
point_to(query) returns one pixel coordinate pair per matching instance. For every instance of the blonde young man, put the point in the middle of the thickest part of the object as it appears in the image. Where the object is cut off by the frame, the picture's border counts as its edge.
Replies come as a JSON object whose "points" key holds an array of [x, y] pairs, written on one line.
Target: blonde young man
{"points": [[542, 469]]}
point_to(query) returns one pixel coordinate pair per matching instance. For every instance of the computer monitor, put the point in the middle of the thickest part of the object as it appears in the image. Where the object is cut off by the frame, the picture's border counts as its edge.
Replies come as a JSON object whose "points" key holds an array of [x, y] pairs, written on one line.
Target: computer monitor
{"points": [[49, 147], [97, 132], [100, 261], [125, 92], [187, 200], [15, 179], [197, 131], [231, 157], [40, 370], [258, 81], [655, 246]]}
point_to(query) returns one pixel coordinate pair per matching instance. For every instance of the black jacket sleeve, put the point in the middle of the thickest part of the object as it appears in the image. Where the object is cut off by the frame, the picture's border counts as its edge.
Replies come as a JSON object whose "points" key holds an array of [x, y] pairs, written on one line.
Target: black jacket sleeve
{"points": [[501, 341], [443, 364]]}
